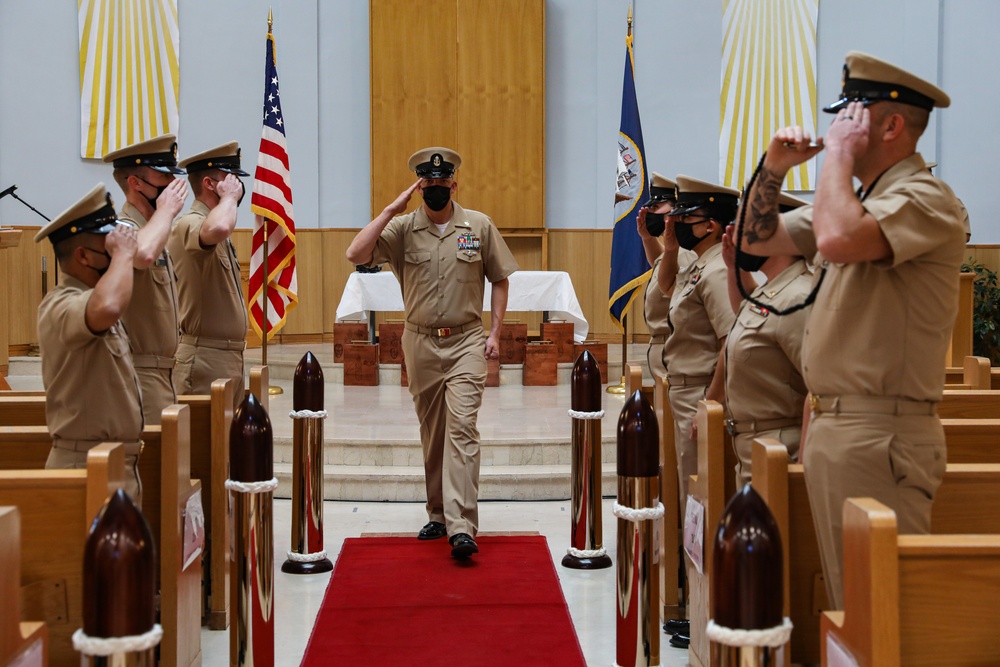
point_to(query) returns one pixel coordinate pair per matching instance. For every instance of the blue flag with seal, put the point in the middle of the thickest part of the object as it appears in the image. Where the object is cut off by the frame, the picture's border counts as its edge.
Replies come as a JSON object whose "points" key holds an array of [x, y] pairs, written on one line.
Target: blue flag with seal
{"points": [[629, 268]]}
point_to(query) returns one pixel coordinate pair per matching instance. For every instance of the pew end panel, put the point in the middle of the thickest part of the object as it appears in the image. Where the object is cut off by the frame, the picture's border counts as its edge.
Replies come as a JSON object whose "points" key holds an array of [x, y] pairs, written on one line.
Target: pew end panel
{"points": [[670, 560], [914, 599], [17, 637], [708, 488], [217, 501], [260, 384]]}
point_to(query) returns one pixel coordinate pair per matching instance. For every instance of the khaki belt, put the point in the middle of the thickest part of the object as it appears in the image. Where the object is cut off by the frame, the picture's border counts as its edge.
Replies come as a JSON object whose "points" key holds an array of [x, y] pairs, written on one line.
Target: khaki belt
{"points": [[445, 331], [658, 339], [131, 448], [689, 380], [152, 361], [214, 343], [871, 405], [755, 425]]}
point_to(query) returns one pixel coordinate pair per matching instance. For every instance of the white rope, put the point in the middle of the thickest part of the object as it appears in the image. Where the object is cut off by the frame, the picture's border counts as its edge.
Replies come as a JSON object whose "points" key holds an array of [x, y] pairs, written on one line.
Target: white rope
{"points": [[105, 646], [306, 558], [586, 415], [586, 553], [307, 414], [252, 487], [634, 515], [772, 637]]}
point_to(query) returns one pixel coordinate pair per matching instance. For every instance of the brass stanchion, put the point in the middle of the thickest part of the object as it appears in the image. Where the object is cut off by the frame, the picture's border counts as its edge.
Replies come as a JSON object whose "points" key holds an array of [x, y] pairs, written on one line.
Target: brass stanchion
{"points": [[748, 628], [586, 551], [307, 555], [251, 484], [620, 388], [119, 589], [638, 509]]}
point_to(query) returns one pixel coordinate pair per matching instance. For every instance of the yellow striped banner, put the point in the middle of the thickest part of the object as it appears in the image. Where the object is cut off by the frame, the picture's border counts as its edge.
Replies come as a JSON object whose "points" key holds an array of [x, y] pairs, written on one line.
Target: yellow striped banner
{"points": [[129, 72], [768, 82]]}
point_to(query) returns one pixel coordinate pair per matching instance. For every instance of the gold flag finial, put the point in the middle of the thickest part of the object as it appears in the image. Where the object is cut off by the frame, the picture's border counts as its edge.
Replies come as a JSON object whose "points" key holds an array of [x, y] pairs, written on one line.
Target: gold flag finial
{"points": [[270, 19], [630, 19]]}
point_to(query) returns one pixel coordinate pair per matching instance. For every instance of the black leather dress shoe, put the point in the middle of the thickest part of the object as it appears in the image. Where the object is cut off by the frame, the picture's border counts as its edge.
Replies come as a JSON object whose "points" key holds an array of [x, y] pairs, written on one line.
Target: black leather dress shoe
{"points": [[432, 531], [463, 546], [680, 641], [677, 626]]}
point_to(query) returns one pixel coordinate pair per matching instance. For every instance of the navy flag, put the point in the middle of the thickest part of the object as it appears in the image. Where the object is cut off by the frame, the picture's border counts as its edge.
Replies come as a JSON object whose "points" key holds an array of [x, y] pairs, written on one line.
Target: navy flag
{"points": [[629, 268]]}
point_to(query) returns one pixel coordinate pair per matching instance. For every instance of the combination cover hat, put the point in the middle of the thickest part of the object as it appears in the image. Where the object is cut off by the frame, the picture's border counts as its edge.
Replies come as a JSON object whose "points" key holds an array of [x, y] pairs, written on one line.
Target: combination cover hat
{"points": [[225, 158], [159, 153], [435, 162], [93, 214], [868, 80], [693, 194], [661, 189]]}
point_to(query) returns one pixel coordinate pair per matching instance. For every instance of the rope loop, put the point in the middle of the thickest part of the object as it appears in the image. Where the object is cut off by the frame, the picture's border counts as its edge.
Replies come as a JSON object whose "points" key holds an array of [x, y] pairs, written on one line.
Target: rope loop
{"points": [[636, 515], [769, 637], [306, 558], [586, 415], [307, 414], [105, 646], [252, 487]]}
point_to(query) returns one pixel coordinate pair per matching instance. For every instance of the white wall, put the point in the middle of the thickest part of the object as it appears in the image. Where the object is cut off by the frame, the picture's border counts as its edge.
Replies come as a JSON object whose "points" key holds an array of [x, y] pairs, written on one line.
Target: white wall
{"points": [[323, 51]]}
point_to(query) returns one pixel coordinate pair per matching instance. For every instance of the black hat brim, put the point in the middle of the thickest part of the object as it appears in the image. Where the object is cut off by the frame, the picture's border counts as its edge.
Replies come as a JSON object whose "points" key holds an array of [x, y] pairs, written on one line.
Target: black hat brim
{"points": [[234, 170], [684, 210], [163, 169], [844, 101]]}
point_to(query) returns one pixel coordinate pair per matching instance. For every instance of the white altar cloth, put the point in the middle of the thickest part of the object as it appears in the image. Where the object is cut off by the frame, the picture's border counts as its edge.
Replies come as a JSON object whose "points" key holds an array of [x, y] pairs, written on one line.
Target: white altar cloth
{"points": [[529, 291]]}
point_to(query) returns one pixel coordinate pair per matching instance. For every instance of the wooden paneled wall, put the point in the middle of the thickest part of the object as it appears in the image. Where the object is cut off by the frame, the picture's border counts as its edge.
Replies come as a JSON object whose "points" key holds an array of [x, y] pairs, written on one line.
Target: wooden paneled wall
{"points": [[444, 73], [323, 271]]}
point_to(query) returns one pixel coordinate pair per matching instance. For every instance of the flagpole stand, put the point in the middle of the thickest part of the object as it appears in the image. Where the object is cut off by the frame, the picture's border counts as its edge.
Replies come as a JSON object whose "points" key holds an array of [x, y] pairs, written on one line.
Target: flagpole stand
{"points": [[620, 389]]}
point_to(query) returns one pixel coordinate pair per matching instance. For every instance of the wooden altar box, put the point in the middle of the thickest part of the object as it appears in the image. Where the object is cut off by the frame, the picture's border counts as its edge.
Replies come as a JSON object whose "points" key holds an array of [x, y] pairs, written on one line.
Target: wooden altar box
{"points": [[344, 333], [390, 343], [513, 338], [360, 364], [600, 353], [540, 364], [492, 372], [561, 335]]}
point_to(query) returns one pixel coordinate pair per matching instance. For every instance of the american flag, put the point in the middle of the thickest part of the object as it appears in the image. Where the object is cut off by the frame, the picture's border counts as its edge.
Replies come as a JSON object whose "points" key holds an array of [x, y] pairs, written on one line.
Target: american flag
{"points": [[272, 203]]}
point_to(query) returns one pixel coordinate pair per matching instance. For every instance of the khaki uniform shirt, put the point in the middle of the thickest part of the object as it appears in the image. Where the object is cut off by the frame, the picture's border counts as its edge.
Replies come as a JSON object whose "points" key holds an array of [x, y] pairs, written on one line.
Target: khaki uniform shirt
{"points": [[151, 317], [764, 351], [441, 273], [657, 304], [91, 389], [882, 328], [210, 294], [700, 315]]}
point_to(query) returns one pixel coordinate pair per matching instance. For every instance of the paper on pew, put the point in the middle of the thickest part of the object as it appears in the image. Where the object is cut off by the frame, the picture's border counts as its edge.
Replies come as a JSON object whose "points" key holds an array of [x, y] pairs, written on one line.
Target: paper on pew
{"points": [[837, 655], [694, 533], [194, 529], [32, 657]]}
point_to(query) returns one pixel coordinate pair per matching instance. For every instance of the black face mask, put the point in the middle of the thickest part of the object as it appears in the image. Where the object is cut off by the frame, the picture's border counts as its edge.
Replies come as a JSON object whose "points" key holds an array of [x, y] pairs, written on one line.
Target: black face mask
{"points": [[748, 262], [159, 191], [100, 272], [436, 197], [685, 235], [655, 223]]}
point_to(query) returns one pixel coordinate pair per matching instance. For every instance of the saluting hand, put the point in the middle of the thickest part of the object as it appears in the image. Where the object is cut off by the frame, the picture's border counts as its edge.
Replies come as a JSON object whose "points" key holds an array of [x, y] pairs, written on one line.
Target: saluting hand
{"points": [[790, 146], [640, 224], [173, 196], [398, 206], [230, 187], [848, 133], [123, 241], [729, 246]]}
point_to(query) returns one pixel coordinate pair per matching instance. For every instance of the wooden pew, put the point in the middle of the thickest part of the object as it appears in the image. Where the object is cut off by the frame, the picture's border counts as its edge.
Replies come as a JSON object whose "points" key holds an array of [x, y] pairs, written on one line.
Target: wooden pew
{"points": [[211, 418], [972, 440], [976, 374], [970, 404], [708, 489], [22, 410], [57, 508], [670, 560], [19, 640], [913, 600], [967, 502]]}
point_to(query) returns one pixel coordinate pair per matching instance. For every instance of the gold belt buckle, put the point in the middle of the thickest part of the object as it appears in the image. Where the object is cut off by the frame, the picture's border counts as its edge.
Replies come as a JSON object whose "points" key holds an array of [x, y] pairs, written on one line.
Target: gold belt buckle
{"points": [[814, 403], [444, 331]]}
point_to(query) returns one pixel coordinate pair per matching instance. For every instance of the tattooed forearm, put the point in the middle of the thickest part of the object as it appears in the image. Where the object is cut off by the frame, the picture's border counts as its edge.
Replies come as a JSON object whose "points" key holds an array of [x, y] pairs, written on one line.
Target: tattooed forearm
{"points": [[763, 213]]}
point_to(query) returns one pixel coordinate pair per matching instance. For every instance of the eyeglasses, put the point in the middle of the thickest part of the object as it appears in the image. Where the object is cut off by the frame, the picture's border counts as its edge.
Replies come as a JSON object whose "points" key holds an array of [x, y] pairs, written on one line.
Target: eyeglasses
{"points": [[692, 219]]}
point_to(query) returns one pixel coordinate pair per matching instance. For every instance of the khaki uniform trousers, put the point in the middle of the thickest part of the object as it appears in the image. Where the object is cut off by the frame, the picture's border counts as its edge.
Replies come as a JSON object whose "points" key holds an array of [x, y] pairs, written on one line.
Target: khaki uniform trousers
{"points": [[72, 455], [198, 367], [156, 389], [789, 436], [654, 357], [897, 460], [684, 405], [447, 376]]}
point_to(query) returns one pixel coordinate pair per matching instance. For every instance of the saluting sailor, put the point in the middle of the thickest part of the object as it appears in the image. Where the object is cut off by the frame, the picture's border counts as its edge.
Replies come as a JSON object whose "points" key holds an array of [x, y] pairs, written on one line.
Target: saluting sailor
{"points": [[441, 253]]}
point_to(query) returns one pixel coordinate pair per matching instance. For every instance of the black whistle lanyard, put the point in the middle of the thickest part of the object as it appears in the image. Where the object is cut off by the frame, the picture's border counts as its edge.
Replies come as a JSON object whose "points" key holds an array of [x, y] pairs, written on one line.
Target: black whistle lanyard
{"points": [[739, 240]]}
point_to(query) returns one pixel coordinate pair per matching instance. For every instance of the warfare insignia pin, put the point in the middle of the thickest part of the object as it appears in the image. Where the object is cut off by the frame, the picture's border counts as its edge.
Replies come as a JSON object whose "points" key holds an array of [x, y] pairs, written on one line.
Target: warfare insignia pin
{"points": [[695, 275]]}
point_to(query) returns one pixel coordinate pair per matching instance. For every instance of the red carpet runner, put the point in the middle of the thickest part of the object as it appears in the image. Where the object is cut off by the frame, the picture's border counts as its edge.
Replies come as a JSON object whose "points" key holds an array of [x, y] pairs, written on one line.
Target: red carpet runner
{"points": [[400, 601]]}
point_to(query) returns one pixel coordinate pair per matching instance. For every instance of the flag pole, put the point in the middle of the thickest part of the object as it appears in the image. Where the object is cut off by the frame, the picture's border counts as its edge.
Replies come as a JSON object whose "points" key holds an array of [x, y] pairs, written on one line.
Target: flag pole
{"points": [[272, 390]]}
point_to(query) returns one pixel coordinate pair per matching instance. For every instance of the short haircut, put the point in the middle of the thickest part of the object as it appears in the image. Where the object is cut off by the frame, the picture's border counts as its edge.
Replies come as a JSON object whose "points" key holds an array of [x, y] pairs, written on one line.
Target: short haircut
{"points": [[64, 249], [915, 119], [196, 180]]}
